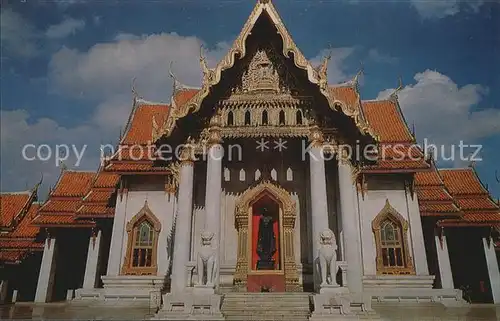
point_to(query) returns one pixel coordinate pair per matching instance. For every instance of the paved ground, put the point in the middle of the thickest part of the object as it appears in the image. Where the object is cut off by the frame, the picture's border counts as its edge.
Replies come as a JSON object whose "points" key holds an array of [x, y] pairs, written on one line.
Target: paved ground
{"points": [[386, 311]]}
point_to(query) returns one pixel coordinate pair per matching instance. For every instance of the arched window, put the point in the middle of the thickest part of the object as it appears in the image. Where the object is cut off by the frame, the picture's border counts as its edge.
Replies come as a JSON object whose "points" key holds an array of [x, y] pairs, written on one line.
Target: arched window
{"points": [[142, 250], [298, 117], [143, 231], [391, 243], [264, 117], [230, 118], [391, 240], [282, 117], [247, 117]]}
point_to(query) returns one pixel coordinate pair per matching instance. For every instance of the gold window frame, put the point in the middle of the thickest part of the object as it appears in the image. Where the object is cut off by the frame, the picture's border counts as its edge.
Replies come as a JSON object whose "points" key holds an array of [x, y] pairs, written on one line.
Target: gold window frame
{"points": [[145, 214], [389, 212]]}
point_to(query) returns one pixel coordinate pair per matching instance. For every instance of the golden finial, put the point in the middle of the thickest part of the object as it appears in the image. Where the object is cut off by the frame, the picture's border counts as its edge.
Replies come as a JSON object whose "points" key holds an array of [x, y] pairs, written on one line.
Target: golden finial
{"points": [[37, 185], [400, 87], [361, 71], [134, 91], [208, 74], [472, 163], [323, 67], [174, 78], [63, 166]]}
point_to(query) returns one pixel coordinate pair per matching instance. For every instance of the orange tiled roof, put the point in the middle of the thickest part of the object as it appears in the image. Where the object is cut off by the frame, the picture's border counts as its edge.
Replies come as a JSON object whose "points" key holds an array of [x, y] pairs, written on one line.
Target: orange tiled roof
{"points": [[397, 151], [73, 184], [433, 197], [20, 238], [385, 117], [11, 205], [472, 198], [462, 181], [182, 96], [63, 202], [140, 126], [398, 157], [100, 200], [25, 228], [344, 93]]}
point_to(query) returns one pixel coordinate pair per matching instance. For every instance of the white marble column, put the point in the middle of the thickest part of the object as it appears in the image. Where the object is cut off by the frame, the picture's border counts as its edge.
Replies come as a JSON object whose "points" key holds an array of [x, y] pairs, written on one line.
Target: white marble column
{"points": [[319, 205], [213, 189], [47, 270], [183, 227], [213, 195], [493, 269], [350, 228], [444, 262], [118, 231], [92, 266], [4, 285], [417, 236]]}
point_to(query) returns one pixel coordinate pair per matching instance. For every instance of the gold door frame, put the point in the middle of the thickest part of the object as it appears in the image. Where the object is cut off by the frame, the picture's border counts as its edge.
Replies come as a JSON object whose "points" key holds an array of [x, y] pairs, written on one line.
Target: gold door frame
{"points": [[287, 218]]}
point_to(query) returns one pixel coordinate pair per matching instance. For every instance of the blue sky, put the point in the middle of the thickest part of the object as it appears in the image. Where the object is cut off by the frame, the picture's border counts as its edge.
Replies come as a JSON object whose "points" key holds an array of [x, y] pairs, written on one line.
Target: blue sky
{"points": [[67, 66]]}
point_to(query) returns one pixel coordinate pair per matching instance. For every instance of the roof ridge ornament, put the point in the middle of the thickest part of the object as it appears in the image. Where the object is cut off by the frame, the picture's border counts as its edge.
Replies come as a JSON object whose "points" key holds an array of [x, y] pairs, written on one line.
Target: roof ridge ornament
{"points": [[394, 94], [361, 71], [323, 67], [176, 84], [37, 185], [208, 73], [497, 178]]}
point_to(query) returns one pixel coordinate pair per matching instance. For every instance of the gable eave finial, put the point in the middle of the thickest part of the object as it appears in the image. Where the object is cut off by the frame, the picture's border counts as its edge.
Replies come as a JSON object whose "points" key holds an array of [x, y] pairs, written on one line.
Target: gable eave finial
{"points": [[175, 82], [472, 163], [37, 185], [394, 95], [497, 178], [208, 74], [135, 95], [63, 166], [355, 80], [323, 67]]}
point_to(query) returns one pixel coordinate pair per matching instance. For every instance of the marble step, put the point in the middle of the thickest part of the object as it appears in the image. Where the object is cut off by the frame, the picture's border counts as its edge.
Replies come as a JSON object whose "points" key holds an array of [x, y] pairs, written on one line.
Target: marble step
{"points": [[266, 306]]}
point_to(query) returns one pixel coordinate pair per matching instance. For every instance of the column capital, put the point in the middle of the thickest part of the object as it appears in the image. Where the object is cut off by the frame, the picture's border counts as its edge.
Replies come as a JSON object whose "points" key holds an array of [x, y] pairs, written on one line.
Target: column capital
{"points": [[316, 136], [187, 155]]}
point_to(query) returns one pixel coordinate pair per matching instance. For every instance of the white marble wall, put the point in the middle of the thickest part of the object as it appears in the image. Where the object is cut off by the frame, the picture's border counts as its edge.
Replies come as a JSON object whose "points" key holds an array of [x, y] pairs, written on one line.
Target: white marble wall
{"points": [[161, 204], [380, 189]]}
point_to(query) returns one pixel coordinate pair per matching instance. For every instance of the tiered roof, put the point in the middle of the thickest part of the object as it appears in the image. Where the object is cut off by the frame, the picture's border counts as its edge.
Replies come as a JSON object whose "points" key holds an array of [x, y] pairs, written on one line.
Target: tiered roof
{"points": [[136, 152], [433, 196], [64, 200], [99, 202], [471, 197], [397, 148], [18, 235]]}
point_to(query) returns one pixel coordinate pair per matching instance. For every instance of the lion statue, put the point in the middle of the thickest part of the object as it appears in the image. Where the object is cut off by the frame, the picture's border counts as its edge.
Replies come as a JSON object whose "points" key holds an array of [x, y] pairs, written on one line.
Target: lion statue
{"points": [[206, 259], [328, 257]]}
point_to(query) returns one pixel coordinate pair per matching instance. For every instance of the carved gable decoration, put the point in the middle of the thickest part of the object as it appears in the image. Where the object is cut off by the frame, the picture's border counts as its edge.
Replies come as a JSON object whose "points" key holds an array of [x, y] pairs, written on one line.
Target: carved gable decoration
{"points": [[265, 71]]}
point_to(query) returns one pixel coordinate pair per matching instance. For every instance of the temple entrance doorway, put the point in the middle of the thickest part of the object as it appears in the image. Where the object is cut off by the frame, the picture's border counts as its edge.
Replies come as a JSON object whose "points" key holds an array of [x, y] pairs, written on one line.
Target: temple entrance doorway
{"points": [[265, 220], [266, 273]]}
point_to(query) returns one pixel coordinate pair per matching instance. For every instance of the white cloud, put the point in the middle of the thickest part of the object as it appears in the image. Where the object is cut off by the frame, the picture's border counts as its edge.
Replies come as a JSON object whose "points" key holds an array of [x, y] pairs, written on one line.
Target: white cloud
{"points": [[103, 75], [445, 113], [336, 67], [17, 35], [16, 131], [435, 9], [65, 28], [107, 69]]}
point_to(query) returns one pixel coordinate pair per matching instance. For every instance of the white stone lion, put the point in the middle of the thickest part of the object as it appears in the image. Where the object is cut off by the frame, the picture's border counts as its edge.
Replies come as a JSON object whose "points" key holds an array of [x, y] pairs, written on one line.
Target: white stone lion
{"points": [[328, 257], [206, 259]]}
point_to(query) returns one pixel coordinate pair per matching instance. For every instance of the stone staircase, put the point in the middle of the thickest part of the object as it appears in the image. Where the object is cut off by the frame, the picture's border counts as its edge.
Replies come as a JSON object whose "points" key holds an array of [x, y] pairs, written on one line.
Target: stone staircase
{"points": [[266, 306]]}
